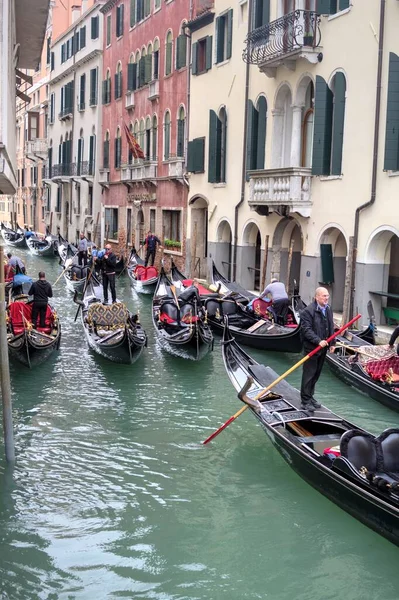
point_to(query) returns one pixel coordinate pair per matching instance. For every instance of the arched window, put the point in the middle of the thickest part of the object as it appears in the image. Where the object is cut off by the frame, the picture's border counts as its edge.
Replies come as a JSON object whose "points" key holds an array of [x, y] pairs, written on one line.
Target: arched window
{"points": [[106, 151], [118, 149], [107, 88], [181, 49], [155, 60], [154, 137], [307, 127], [166, 136], [168, 53], [132, 74], [181, 125], [147, 148], [118, 81]]}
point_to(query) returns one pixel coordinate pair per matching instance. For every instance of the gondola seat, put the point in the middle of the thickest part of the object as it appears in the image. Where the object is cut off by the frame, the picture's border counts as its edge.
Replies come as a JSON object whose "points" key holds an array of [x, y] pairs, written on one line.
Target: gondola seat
{"points": [[20, 314], [187, 314], [106, 318], [145, 273], [361, 449], [169, 313], [386, 370], [213, 308], [389, 443]]}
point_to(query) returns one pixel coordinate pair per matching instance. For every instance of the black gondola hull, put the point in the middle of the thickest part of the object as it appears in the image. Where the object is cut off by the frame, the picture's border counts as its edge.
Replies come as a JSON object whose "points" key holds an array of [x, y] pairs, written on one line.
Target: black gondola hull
{"points": [[24, 350], [289, 342], [126, 349]]}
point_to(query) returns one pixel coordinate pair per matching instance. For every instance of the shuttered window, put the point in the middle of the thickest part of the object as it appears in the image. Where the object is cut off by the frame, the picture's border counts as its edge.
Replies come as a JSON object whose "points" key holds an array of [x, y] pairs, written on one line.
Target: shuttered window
{"points": [[119, 20], [147, 68], [118, 85], [141, 77], [391, 156], [131, 77], [180, 136], [261, 13], [106, 91], [106, 154], [118, 152], [82, 34], [339, 83], [94, 28], [93, 87], [156, 64], [108, 35], [217, 147], [330, 7], [52, 61], [322, 132], [92, 149], [327, 264], [224, 33], [167, 136], [52, 108], [201, 60], [82, 92], [181, 51], [147, 8], [168, 56], [256, 134], [132, 13]]}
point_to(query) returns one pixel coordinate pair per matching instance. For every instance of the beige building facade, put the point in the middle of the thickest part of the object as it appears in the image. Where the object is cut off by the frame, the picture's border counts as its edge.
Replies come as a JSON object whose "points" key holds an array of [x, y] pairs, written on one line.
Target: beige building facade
{"points": [[295, 146]]}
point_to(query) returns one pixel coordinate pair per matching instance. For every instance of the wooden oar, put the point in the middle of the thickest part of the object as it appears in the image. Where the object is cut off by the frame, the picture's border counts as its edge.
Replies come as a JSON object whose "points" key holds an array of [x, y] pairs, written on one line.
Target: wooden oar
{"points": [[58, 278], [242, 393], [173, 290], [358, 351]]}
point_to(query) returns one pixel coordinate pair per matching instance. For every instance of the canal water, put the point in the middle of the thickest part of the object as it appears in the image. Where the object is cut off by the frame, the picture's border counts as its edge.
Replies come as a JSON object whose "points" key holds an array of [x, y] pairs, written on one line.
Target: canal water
{"points": [[113, 496]]}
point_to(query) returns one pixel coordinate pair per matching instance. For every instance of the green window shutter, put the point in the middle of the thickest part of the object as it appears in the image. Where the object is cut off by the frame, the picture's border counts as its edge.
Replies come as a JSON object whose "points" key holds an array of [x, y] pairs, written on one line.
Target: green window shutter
{"points": [[168, 58], [208, 62], [324, 7], [190, 156], [229, 33], [147, 7], [391, 157], [130, 76], [194, 67], [141, 72], [199, 155], [181, 51], [213, 146], [94, 28], [106, 154], [116, 81], [132, 13], [338, 123], [322, 130], [79, 154], [343, 4], [327, 263], [219, 39], [82, 90], [148, 67], [108, 90], [91, 154], [82, 37], [180, 137], [261, 137], [251, 136], [93, 87], [261, 13]]}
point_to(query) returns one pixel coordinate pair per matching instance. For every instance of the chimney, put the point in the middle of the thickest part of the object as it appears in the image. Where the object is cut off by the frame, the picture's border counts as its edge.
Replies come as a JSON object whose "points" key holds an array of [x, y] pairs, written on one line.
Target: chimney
{"points": [[84, 6], [75, 13]]}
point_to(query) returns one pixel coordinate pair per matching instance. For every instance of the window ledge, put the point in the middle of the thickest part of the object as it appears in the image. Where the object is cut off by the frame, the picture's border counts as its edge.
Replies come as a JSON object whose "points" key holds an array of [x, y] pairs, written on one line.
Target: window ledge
{"points": [[168, 75], [174, 252], [119, 38], [330, 177], [156, 10], [221, 184], [108, 46], [393, 173], [222, 63], [340, 13]]}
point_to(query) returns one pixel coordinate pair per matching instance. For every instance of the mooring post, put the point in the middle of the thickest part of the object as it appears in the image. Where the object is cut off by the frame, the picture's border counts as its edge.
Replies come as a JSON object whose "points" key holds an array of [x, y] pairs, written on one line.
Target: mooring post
{"points": [[5, 370]]}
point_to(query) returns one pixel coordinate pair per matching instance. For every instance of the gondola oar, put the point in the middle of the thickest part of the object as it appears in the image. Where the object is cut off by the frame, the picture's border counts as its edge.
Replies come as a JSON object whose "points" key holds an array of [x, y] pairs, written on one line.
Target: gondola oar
{"points": [[89, 274], [173, 290], [276, 381], [58, 278]]}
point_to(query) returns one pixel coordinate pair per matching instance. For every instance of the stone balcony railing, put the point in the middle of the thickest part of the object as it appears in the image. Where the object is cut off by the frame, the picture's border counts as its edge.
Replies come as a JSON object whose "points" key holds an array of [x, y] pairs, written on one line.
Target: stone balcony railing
{"points": [[176, 167], [103, 175], [36, 148], [281, 190]]}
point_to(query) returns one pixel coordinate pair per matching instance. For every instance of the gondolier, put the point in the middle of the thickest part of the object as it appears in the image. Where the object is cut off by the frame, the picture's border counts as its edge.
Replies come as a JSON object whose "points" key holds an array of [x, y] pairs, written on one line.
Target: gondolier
{"points": [[317, 325], [41, 291], [279, 297], [82, 250], [151, 241], [16, 263], [108, 269]]}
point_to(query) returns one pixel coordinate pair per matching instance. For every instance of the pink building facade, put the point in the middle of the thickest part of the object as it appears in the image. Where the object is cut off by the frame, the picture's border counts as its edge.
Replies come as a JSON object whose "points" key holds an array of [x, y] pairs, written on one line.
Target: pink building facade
{"points": [[145, 81]]}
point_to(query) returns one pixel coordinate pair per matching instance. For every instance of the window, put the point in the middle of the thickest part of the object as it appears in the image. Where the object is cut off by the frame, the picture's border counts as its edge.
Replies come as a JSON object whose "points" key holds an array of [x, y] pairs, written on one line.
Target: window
{"points": [[118, 149], [256, 134], [154, 137], [307, 128], [142, 135], [93, 86], [132, 75], [67, 97], [217, 146], [168, 53], [132, 13], [33, 126], [77, 206], [147, 145], [107, 88], [157, 4], [147, 8], [181, 122], [330, 7], [80, 153], [202, 56], [391, 157], [52, 108], [155, 60], [48, 53], [106, 151], [152, 219], [181, 51], [58, 205], [94, 28], [119, 20], [329, 118], [82, 36], [92, 154], [50, 162], [108, 30], [196, 155], [90, 201], [52, 62], [118, 81], [224, 36], [166, 136], [111, 223], [171, 225], [261, 13], [82, 92]]}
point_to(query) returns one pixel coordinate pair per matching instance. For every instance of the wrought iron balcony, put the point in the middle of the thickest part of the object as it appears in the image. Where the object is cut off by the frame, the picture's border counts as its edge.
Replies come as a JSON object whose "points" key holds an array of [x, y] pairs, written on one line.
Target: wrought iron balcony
{"points": [[85, 168], [281, 190], [64, 170], [292, 36]]}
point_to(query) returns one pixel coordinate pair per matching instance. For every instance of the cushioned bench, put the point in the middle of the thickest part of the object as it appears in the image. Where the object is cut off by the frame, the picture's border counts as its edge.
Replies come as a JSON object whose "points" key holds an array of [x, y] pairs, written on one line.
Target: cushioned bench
{"points": [[106, 318], [384, 369]]}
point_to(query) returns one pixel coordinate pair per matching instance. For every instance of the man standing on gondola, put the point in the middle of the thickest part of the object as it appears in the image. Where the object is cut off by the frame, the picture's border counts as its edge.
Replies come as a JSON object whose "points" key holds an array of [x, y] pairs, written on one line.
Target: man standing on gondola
{"points": [[151, 241], [82, 250], [317, 325], [41, 291], [108, 268]]}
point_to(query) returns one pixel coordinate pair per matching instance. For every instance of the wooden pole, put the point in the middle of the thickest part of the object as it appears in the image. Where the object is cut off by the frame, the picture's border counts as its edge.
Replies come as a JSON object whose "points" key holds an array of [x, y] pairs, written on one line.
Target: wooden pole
{"points": [[5, 370], [264, 266], [51, 222], [106, 234], [291, 250]]}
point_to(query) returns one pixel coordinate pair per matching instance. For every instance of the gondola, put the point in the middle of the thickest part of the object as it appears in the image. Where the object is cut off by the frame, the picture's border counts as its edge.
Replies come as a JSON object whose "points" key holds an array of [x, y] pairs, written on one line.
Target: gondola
{"points": [[181, 282], [13, 238], [65, 249], [180, 322], [29, 345], [75, 275], [111, 330], [40, 246], [354, 469], [225, 286], [143, 279]]}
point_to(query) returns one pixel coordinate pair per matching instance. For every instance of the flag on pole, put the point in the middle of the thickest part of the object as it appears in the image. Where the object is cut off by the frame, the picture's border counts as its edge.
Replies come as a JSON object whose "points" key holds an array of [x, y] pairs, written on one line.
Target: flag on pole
{"points": [[134, 146]]}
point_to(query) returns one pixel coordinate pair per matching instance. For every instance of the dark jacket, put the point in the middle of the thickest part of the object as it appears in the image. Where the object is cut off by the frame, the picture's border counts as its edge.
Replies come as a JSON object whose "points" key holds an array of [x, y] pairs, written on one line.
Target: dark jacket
{"points": [[152, 241], [41, 291], [315, 327], [394, 335], [109, 263]]}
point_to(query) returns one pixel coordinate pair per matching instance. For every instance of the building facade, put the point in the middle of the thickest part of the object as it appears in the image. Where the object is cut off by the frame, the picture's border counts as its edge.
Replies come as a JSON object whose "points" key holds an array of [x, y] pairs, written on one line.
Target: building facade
{"points": [[74, 117], [285, 153], [144, 89]]}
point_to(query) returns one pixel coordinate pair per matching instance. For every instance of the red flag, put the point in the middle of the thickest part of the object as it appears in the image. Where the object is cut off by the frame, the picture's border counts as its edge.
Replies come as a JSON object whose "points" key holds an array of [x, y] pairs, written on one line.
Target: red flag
{"points": [[133, 144]]}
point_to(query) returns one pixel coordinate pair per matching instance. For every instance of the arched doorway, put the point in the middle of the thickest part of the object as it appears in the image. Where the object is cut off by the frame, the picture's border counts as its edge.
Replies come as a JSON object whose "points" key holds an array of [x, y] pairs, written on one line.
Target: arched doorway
{"points": [[249, 260], [382, 269], [287, 253], [223, 253], [199, 237], [333, 257]]}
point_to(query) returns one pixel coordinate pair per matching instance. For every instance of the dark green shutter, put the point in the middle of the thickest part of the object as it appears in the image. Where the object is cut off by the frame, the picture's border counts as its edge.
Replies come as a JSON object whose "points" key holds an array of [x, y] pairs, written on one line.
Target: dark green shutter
{"points": [[91, 154], [208, 62], [261, 137], [343, 4], [147, 7], [148, 68], [190, 156], [391, 158], [93, 87], [132, 13], [213, 146], [229, 44], [338, 123], [130, 76], [322, 132], [261, 13], [327, 263], [116, 86], [52, 61], [79, 156], [121, 18], [194, 67], [50, 162], [82, 37], [104, 91], [106, 154], [181, 51], [252, 119], [116, 165], [141, 71], [324, 7], [219, 40], [156, 64], [199, 154], [168, 58], [180, 137], [82, 89], [94, 28]]}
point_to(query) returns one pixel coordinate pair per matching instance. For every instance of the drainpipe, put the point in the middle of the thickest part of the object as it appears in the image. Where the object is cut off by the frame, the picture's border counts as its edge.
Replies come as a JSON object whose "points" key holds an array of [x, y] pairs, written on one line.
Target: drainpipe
{"points": [[375, 157], [244, 153]]}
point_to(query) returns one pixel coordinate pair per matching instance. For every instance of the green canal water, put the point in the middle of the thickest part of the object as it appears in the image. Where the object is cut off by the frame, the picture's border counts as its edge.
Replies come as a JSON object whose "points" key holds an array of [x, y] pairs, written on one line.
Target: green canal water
{"points": [[113, 496]]}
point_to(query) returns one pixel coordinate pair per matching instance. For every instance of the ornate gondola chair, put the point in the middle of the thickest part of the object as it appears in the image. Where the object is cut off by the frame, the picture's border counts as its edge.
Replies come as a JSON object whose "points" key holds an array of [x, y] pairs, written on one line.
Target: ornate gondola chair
{"points": [[103, 319], [384, 370], [217, 309], [169, 315]]}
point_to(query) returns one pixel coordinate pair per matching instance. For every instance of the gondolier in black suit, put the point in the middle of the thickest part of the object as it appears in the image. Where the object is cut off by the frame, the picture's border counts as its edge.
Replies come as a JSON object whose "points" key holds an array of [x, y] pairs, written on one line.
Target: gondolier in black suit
{"points": [[41, 291], [317, 325], [151, 241], [108, 268]]}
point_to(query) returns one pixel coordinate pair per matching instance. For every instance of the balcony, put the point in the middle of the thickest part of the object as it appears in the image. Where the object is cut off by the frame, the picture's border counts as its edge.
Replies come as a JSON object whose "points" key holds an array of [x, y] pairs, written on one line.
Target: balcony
{"points": [[85, 168], [281, 190], [145, 170], [66, 113], [129, 100], [284, 41], [63, 170], [126, 172], [176, 167], [153, 90], [36, 149], [103, 177]]}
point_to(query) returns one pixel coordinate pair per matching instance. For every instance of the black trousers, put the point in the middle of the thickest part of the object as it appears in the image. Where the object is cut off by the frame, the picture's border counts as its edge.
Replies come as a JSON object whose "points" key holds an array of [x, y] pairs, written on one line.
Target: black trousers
{"points": [[39, 308], [150, 253], [310, 374], [109, 278], [82, 257]]}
